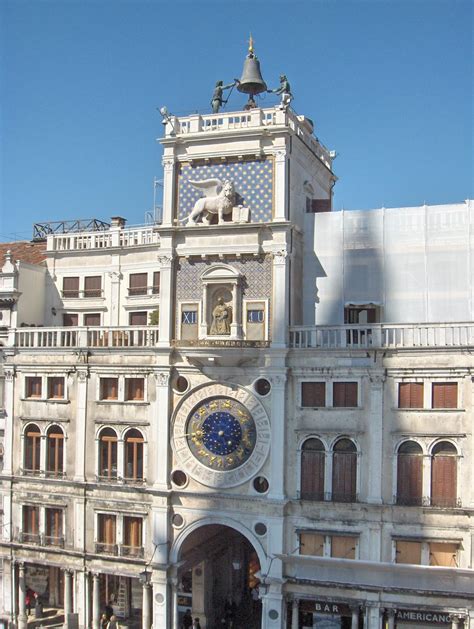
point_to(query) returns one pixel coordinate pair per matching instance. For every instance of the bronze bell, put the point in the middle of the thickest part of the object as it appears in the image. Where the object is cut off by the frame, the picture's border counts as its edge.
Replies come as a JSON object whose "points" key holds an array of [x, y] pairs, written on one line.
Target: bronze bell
{"points": [[251, 81]]}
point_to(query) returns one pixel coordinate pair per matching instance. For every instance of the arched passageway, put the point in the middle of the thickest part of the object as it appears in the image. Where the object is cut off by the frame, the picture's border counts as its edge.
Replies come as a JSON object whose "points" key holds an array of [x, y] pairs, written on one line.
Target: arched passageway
{"points": [[217, 579]]}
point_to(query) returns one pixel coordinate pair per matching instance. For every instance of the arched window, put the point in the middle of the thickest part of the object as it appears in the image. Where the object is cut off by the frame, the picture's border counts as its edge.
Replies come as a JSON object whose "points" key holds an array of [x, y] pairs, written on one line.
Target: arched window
{"points": [[409, 474], [344, 471], [55, 451], [312, 470], [108, 454], [444, 475], [133, 455], [32, 457]]}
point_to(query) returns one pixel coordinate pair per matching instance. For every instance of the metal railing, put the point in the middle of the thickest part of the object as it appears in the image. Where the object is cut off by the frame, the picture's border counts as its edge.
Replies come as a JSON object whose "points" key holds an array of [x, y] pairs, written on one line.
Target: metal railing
{"points": [[383, 335], [106, 549], [131, 551]]}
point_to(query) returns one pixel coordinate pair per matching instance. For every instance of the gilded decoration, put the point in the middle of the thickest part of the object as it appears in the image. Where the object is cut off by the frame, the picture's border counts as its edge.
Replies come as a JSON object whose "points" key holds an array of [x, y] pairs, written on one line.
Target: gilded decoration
{"points": [[252, 179]]}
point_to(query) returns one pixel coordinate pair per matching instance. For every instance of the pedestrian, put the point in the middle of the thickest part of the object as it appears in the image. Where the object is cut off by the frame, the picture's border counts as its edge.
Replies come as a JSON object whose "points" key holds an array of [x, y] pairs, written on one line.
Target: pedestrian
{"points": [[187, 620], [104, 621], [113, 624], [196, 624], [28, 601], [109, 610]]}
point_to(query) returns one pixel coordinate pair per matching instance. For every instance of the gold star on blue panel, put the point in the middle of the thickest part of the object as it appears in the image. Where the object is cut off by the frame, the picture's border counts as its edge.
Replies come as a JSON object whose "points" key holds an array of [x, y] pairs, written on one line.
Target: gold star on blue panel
{"points": [[253, 181]]}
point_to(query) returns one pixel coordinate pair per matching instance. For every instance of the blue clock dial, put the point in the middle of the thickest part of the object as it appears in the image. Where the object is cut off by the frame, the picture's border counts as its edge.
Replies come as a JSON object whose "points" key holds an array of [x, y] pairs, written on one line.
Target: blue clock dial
{"points": [[221, 433]]}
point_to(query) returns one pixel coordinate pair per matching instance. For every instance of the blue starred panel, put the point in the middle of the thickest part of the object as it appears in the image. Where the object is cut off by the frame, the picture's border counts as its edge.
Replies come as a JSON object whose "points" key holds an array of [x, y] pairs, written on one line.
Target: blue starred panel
{"points": [[253, 181]]}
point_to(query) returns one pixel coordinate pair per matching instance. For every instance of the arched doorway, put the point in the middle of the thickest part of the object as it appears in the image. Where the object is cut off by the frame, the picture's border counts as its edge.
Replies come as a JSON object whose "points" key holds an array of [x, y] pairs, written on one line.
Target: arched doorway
{"points": [[217, 579]]}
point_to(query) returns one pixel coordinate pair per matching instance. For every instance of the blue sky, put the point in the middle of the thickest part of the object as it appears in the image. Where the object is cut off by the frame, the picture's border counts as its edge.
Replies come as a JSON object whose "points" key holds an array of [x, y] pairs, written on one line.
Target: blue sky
{"points": [[387, 83]]}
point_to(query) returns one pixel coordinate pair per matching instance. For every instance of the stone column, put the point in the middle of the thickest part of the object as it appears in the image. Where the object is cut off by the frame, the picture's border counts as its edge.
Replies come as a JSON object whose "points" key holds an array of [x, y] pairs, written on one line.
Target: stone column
{"points": [[391, 618], [165, 333], [95, 601], [455, 621], [295, 614], [160, 471], [146, 605], [277, 482], [68, 606], [373, 617], [22, 619], [355, 618], [374, 431], [174, 603], [280, 301]]}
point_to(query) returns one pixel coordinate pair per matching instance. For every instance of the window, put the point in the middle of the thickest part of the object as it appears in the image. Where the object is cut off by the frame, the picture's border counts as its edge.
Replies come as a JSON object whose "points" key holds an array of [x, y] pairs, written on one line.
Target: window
{"points": [[408, 552], [444, 475], [56, 388], [343, 547], [156, 283], [54, 527], [108, 454], [344, 471], [443, 554], [328, 545], [109, 388], [33, 386], [313, 394], [344, 394], [92, 319], [55, 451], [133, 455], [445, 395], [93, 286], [106, 533], [137, 284], [135, 389], [410, 395], [30, 524], [70, 287], [138, 318], [409, 474], [360, 315], [312, 470], [132, 535], [312, 544], [70, 319], [32, 449]]}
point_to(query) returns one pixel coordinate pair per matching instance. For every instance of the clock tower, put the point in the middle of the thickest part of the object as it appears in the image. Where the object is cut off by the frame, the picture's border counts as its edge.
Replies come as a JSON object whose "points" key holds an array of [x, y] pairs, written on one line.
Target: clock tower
{"points": [[240, 192]]}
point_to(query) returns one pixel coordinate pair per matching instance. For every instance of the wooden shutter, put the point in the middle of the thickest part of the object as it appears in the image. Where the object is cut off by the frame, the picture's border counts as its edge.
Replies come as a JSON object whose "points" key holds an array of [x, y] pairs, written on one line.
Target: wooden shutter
{"points": [[312, 470], [445, 394], [138, 318], [409, 478], [408, 552], [107, 529], [343, 547], [93, 286], [344, 472], [133, 532], [55, 451], [92, 319], [321, 205], [410, 395], [344, 394], [70, 287], [156, 282], [443, 480], [138, 284], [312, 544], [313, 394], [443, 554], [70, 319]]}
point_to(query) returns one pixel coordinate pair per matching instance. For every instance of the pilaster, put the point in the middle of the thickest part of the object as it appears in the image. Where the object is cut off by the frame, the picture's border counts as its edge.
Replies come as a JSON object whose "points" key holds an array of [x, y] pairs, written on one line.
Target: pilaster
{"points": [[280, 303], [82, 377], [165, 333], [277, 452], [9, 374], [160, 432], [375, 438]]}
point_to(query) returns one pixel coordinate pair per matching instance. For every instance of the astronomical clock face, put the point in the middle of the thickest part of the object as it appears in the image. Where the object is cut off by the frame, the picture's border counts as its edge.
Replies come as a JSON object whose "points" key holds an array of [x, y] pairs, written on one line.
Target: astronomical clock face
{"points": [[221, 436], [221, 433]]}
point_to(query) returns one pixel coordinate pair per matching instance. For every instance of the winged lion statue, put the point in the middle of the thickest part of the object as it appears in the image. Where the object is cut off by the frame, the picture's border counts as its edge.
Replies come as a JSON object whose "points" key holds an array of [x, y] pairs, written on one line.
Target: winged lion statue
{"points": [[219, 199]]}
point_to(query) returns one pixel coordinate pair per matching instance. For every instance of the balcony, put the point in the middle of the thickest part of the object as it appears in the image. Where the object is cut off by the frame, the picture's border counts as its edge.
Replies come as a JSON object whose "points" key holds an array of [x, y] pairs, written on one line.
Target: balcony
{"points": [[24, 537], [104, 548], [84, 337], [91, 293], [131, 551], [52, 540], [382, 336], [131, 237]]}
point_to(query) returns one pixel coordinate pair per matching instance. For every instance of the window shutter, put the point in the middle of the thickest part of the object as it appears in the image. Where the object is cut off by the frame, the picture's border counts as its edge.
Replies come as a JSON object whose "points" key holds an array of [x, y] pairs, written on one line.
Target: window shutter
{"points": [[70, 319], [92, 319], [138, 318], [70, 287], [313, 394], [312, 544], [443, 554], [344, 394], [312, 475], [344, 476], [156, 282], [92, 286], [410, 395], [321, 205], [443, 481], [409, 479], [138, 284], [445, 394], [408, 552], [343, 547]]}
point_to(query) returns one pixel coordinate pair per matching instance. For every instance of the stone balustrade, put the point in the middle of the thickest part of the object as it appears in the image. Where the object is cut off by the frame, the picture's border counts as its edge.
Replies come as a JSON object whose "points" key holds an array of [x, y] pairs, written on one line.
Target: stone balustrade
{"points": [[84, 337], [122, 237]]}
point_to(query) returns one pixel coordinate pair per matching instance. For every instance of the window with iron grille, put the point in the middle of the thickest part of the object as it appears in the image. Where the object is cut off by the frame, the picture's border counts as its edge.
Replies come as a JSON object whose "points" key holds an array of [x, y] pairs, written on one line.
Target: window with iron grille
{"points": [[70, 287], [138, 284], [156, 283], [93, 286]]}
